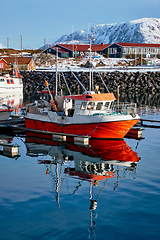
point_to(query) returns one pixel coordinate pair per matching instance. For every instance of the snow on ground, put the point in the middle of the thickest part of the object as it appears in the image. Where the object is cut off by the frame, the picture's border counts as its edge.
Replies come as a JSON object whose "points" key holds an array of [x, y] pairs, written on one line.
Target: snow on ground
{"points": [[101, 64]]}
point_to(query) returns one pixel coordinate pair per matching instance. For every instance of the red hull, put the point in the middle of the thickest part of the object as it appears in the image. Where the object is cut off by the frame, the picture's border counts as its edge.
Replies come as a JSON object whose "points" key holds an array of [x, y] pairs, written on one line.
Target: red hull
{"points": [[109, 130]]}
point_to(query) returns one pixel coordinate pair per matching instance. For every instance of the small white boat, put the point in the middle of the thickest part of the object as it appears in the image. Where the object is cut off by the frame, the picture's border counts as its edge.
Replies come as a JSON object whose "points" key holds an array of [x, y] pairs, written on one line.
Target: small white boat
{"points": [[10, 83]]}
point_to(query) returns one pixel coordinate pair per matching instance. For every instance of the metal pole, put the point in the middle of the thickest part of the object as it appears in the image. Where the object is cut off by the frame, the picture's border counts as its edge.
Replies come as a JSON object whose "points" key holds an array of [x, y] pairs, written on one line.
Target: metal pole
{"points": [[7, 42], [44, 44], [21, 42], [56, 70], [90, 67]]}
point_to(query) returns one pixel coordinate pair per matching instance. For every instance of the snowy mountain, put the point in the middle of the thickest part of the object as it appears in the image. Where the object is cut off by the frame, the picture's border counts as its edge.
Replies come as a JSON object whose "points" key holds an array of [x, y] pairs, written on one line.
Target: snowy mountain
{"points": [[145, 30]]}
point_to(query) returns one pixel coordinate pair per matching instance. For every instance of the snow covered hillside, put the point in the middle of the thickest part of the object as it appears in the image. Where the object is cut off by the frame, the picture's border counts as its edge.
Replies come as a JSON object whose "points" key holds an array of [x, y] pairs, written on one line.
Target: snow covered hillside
{"points": [[145, 30]]}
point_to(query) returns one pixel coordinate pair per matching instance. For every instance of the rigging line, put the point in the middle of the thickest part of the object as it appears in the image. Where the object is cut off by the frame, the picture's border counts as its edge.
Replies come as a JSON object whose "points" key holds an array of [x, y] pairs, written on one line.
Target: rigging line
{"points": [[95, 127], [101, 190], [78, 80], [103, 81], [66, 82]]}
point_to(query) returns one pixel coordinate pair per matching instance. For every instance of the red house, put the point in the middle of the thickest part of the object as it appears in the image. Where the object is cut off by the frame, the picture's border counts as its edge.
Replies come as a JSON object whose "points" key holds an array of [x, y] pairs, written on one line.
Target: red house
{"points": [[3, 64]]}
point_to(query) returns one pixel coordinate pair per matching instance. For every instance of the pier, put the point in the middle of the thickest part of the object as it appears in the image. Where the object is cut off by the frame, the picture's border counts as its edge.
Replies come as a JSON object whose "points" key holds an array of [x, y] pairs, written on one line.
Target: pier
{"points": [[9, 150], [62, 137], [150, 121]]}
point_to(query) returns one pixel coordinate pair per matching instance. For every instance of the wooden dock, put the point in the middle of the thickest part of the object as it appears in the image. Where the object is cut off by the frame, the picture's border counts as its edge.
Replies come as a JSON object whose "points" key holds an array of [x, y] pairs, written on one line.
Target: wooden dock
{"points": [[135, 133], [9, 150], [150, 121], [62, 137]]}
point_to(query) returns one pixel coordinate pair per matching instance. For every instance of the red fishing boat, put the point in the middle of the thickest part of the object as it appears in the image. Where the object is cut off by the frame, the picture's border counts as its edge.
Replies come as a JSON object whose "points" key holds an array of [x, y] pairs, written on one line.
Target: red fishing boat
{"points": [[92, 114]]}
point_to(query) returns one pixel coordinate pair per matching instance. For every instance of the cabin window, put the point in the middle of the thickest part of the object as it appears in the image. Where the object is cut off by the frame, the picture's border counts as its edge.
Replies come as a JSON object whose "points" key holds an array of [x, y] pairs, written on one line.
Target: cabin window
{"points": [[8, 81], [11, 81], [90, 106], [111, 105], [99, 105], [106, 105], [83, 106]]}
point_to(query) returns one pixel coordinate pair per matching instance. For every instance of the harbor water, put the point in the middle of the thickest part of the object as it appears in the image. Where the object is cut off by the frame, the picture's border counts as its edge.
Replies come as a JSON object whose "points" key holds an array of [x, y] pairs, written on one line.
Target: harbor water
{"points": [[107, 190]]}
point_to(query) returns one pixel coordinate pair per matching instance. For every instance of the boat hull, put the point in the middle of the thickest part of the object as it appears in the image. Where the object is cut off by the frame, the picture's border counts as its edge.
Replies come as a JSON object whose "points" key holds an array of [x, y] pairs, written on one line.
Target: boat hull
{"points": [[103, 130]]}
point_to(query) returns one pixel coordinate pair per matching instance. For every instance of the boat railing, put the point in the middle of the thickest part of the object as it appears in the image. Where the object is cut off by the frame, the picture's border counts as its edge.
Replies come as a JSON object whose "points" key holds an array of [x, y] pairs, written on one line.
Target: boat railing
{"points": [[125, 108], [116, 108]]}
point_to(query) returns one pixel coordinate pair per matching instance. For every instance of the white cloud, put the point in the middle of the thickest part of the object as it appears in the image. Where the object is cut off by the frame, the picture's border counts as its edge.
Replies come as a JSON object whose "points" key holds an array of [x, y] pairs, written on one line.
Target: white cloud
{"points": [[1, 46]]}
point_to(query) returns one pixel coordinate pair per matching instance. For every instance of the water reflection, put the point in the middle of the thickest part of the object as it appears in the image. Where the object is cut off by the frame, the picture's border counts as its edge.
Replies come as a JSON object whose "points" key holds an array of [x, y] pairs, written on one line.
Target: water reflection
{"points": [[96, 164], [14, 99], [98, 161]]}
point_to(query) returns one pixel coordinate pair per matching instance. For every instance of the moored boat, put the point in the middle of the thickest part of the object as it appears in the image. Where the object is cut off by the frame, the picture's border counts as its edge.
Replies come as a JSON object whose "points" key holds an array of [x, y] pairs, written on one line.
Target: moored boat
{"points": [[11, 82], [90, 114]]}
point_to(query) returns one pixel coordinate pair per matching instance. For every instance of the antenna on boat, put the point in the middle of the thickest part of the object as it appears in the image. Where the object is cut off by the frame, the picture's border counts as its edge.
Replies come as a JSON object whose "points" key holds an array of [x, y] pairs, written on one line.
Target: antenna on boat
{"points": [[56, 70], [73, 40], [91, 38]]}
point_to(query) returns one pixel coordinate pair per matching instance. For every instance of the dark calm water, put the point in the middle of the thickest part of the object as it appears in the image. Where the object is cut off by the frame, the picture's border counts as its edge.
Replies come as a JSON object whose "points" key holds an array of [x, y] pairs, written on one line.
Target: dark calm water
{"points": [[47, 192], [109, 190]]}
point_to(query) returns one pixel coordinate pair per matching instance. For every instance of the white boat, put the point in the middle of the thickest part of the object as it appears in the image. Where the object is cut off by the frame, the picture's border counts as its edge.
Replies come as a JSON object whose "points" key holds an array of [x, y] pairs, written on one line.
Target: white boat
{"points": [[10, 83]]}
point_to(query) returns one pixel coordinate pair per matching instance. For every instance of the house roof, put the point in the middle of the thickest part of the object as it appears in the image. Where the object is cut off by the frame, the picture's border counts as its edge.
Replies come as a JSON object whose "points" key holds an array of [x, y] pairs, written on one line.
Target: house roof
{"points": [[138, 45], [84, 47], [2, 59], [59, 49], [18, 60]]}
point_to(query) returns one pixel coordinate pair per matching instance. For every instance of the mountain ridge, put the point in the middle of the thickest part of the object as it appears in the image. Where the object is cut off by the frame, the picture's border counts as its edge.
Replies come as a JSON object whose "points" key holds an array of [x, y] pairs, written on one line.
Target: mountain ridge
{"points": [[144, 30]]}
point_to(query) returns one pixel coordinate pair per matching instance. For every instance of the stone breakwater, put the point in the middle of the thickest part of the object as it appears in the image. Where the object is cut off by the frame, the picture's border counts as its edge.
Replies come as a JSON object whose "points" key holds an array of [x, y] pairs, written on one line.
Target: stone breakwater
{"points": [[130, 83]]}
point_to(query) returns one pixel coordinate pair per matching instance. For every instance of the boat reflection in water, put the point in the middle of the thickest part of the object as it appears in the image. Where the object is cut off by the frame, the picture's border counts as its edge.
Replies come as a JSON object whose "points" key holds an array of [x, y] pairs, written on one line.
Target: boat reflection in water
{"points": [[96, 163], [13, 99]]}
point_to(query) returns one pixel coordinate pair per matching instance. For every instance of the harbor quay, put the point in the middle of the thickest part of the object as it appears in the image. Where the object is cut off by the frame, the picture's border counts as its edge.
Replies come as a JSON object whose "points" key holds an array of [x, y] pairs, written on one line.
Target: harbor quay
{"points": [[140, 87]]}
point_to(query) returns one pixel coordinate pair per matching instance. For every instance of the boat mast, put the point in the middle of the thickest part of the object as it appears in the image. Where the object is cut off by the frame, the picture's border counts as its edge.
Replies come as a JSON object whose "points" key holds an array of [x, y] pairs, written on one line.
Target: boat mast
{"points": [[90, 79], [90, 64], [56, 71]]}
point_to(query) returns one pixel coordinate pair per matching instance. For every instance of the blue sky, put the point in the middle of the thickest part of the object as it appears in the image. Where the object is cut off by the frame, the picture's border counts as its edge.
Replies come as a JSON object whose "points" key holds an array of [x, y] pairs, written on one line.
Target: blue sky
{"points": [[37, 20]]}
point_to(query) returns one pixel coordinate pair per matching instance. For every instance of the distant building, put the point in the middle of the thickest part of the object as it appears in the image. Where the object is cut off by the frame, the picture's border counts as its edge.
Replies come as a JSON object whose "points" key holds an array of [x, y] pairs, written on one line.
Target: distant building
{"points": [[53, 50], [3, 64], [131, 50], [75, 50], [23, 63], [115, 50]]}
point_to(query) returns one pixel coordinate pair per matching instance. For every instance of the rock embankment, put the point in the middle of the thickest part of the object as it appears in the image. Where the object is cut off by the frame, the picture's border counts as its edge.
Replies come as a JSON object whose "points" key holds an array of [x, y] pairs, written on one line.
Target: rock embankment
{"points": [[128, 82]]}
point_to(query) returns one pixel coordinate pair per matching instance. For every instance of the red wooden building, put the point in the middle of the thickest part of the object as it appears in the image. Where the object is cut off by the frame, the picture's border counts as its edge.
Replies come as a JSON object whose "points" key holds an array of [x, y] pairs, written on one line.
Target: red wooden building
{"points": [[3, 64]]}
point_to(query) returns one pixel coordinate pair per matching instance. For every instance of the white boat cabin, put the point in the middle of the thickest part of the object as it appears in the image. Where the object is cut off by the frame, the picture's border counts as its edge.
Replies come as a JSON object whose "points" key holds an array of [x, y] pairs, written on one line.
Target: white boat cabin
{"points": [[89, 104]]}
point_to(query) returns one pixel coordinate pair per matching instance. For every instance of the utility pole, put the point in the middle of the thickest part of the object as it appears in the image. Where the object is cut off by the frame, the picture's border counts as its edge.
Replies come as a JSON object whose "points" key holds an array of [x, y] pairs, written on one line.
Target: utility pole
{"points": [[44, 44], [21, 42], [7, 42]]}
